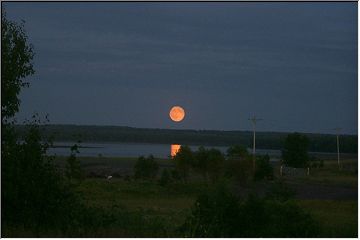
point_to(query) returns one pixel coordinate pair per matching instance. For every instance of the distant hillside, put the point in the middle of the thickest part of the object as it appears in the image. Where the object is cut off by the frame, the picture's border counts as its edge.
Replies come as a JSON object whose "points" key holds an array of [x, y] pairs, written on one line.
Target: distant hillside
{"points": [[265, 140]]}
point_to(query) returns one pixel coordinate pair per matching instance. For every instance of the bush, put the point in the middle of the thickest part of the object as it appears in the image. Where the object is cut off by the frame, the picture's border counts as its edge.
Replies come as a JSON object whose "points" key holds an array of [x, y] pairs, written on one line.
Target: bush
{"points": [[215, 214], [263, 170], [239, 170], [146, 168], [295, 152], [220, 214], [165, 177], [237, 152], [209, 162], [73, 170], [175, 175], [184, 160], [35, 194]]}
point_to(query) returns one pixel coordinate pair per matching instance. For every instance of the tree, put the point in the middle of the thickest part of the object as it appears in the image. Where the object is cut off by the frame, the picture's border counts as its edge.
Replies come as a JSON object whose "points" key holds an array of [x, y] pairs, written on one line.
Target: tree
{"points": [[215, 164], [146, 168], [263, 170], [74, 171], [165, 178], [16, 64], [184, 160], [209, 162], [295, 152], [35, 196], [219, 213], [200, 161], [239, 164], [237, 152]]}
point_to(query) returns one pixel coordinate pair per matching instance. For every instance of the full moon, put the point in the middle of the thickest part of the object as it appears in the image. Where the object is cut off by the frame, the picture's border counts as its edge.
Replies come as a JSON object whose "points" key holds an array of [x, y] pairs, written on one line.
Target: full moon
{"points": [[177, 113]]}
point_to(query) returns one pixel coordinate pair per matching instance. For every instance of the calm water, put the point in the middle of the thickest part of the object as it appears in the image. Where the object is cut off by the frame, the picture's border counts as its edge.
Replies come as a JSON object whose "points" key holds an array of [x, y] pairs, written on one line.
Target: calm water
{"points": [[132, 149]]}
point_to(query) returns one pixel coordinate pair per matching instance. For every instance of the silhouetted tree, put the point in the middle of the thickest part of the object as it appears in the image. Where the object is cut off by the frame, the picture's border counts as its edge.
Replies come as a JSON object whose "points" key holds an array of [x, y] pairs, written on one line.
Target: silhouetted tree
{"points": [[200, 163], [295, 152], [263, 170], [16, 65], [184, 161], [215, 164], [165, 177], [209, 162], [237, 152], [35, 197], [74, 171], [146, 167]]}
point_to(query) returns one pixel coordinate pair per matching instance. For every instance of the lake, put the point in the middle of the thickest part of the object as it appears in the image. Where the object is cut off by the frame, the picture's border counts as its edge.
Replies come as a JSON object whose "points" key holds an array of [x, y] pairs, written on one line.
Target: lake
{"points": [[133, 149]]}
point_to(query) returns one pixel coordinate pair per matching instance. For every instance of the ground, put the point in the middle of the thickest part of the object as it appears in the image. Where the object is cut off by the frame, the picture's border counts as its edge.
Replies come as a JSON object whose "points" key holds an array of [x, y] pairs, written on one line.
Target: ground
{"points": [[328, 194]]}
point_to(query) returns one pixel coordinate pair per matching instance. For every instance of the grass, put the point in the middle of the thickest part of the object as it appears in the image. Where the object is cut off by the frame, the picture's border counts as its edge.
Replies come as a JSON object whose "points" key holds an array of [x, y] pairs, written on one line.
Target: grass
{"points": [[161, 210], [169, 205], [338, 218], [329, 175]]}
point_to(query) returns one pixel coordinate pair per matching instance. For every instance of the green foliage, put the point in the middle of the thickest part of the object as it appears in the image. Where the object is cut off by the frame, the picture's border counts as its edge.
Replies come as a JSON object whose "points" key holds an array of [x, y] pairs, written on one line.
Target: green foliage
{"points": [[215, 214], [146, 167], [239, 170], [200, 161], [220, 214], [184, 160], [16, 64], [237, 152], [209, 162], [35, 194], [295, 152], [73, 170], [165, 177], [175, 175], [263, 170], [215, 164], [268, 218]]}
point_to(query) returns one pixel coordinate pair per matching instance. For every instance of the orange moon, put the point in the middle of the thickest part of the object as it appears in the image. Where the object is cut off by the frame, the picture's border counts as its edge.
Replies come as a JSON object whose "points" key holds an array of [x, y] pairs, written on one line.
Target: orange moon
{"points": [[177, 113]]}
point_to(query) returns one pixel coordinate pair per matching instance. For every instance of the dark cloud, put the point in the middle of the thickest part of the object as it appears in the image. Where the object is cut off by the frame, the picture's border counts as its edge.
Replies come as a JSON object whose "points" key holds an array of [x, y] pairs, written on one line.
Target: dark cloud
{"points": [[293, 64]]}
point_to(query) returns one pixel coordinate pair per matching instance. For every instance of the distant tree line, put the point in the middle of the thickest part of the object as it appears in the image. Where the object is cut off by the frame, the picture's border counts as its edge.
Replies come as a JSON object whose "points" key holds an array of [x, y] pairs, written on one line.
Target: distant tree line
{"points": [[264, 140]]}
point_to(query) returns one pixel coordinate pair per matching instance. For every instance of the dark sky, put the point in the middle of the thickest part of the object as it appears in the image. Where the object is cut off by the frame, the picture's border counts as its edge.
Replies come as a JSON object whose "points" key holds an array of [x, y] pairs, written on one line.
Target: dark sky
{"points": [[292, 64]]}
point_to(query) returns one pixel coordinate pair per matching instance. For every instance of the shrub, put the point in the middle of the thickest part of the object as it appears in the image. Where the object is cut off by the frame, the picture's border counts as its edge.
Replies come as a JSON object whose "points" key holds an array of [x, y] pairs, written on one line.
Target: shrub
{"points": [[175, 175], [73, 170], [220, 214], [146, 168], [215, 214], [35, 195], [295, 152], [263, 170], [165, 177], [237, 152], [209, 162], [239, 170], [184, 161]]}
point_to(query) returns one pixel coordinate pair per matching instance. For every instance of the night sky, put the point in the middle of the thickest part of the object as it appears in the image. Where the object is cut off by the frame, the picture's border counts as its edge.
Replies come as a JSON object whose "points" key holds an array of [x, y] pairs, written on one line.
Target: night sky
{"points": [[127, 64]]}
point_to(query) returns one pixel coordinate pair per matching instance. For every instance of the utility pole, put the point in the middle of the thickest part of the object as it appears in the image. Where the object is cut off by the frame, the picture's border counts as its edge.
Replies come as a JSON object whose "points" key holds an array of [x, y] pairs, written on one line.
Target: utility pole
{"points": [[254, 120], [338, 147]]}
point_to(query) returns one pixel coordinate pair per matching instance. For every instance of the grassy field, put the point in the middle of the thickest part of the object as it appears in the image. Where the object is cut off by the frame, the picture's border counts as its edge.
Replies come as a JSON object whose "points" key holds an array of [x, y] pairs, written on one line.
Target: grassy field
{"points": [[166, 207], [338, 218]]}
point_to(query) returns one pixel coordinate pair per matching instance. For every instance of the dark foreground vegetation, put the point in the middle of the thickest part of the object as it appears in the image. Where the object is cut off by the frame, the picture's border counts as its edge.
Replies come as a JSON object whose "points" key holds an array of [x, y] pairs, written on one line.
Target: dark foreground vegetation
{"points": [[264, 140], [195, 194]]}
